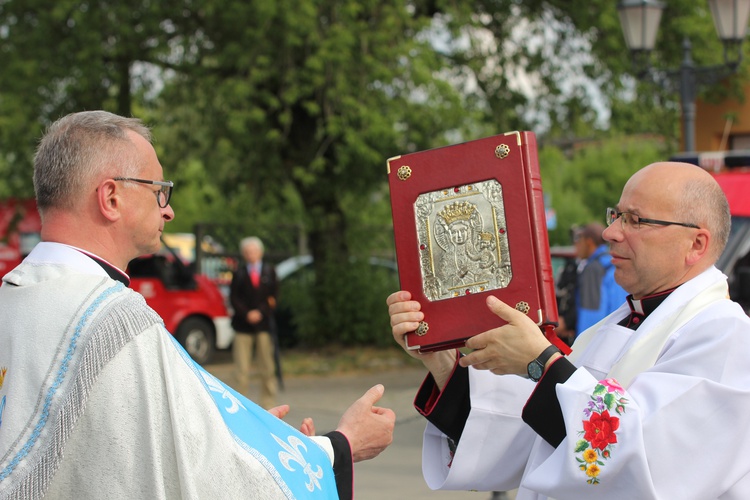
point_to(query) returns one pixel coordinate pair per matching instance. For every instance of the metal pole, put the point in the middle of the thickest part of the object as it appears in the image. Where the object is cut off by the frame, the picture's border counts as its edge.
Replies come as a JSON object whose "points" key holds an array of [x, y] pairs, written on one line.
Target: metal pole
{"points": [[198, 232], [687, 96]]}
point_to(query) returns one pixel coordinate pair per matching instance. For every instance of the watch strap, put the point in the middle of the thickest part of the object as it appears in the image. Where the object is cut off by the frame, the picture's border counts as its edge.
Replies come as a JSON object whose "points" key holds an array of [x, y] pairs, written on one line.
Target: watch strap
{"points": [[542, 359]]}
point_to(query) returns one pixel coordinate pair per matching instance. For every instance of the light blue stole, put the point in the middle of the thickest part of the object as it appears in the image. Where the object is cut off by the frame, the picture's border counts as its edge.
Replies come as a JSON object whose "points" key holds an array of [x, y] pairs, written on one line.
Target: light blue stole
{"points": [[299, 466]]}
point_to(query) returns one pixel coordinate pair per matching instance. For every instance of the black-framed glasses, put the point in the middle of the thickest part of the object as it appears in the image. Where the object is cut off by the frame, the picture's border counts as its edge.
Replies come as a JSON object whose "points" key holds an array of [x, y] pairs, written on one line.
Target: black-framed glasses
{"points": [[163, 195], [629, 219]]}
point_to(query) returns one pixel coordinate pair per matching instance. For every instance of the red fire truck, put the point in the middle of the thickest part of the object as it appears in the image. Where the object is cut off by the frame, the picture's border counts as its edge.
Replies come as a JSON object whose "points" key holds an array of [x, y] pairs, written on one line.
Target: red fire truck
{"points": [[192, 306], [19, 232]]}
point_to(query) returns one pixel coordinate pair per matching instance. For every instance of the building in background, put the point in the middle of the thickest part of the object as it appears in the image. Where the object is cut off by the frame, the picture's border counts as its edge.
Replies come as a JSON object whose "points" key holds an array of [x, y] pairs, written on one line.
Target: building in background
{"points": [[723, 126]]}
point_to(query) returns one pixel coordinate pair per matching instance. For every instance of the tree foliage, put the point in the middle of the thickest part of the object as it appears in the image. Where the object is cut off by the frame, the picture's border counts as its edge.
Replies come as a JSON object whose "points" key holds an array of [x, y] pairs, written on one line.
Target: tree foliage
{"points": [[584, 182], [278, 115]]}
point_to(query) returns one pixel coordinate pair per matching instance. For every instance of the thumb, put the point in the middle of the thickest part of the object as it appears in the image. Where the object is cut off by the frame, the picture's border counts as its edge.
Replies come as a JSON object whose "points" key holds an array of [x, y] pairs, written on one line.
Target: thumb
{"points": [[501, 309], [373, 395]]}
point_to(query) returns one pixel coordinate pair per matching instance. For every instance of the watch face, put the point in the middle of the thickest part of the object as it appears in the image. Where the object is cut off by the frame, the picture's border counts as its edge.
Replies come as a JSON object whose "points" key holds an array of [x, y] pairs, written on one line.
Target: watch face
{"points": [[535, 370]]}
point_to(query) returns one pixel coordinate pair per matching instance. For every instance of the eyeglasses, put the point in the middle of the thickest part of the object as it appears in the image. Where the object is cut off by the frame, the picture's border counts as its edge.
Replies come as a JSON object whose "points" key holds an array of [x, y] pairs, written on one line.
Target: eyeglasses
{"points": [[628, 219], [163, 195]]}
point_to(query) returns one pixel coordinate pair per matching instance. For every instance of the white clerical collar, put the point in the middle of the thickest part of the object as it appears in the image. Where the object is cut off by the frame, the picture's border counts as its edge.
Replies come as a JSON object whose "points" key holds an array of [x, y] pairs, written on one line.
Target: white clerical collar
{"points": [[48, 252], [637, 306]]}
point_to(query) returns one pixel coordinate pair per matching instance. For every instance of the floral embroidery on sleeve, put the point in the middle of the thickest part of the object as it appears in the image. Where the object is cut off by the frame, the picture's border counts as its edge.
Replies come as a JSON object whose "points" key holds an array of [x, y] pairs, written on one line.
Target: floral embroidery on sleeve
{"points": [[598, 432]]}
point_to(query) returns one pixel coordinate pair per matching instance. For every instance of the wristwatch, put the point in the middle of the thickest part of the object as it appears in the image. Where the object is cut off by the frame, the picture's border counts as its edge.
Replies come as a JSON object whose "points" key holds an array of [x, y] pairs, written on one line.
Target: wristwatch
{"points": [[535, 369]]}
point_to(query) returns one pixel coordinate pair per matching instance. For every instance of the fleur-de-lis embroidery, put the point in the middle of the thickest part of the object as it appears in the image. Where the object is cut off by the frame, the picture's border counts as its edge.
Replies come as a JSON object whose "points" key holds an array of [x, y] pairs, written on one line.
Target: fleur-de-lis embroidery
{"points": [[215, 386], [293, 453]]}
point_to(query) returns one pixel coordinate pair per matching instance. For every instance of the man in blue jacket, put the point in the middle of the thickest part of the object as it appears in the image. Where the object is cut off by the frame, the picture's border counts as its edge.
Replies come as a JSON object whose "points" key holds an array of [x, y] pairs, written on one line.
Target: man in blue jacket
{"points": [[597, 293]]}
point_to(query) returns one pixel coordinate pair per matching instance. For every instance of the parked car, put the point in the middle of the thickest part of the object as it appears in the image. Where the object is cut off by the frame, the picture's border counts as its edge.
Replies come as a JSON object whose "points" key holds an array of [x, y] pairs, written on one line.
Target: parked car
{"points": [[296, 276]]}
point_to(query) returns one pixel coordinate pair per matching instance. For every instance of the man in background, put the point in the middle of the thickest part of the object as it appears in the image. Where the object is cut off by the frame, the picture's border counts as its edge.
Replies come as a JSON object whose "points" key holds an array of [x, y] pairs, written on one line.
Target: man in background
{"points": [[253, 293], [565, 293], [597, 292]]}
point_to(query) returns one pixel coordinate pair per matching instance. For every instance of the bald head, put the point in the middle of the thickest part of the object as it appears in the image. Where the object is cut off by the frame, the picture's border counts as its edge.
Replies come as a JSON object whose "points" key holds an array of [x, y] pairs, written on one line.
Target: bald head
{"points": [[692, 195], [672, 225]]}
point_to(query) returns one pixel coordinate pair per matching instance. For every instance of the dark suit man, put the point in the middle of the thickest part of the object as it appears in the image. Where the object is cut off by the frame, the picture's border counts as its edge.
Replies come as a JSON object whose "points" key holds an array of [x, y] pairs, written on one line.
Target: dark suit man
{"points": [[253, 297]]}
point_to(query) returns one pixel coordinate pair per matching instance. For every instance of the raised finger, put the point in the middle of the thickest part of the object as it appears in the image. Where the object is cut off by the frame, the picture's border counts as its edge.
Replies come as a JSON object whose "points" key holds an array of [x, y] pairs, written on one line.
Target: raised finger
{"points": [[404, 307], [505, 312], [409, 320], [400, 296]]}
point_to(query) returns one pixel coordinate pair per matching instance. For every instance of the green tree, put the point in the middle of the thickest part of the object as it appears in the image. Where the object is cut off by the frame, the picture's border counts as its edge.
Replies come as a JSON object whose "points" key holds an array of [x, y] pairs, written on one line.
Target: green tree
{"points": [[582, 184], [63, 56], [312, 96], [279, 115]]}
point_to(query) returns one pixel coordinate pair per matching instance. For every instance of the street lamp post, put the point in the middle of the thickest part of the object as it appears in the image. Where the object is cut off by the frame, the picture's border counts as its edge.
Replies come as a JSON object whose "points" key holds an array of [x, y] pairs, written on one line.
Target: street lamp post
{"points": [[640, 22]]}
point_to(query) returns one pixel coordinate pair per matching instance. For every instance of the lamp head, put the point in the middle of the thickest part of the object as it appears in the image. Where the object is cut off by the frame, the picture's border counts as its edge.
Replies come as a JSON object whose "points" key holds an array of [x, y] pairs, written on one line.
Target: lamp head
{"points": [[640, 22], [730, 18]]}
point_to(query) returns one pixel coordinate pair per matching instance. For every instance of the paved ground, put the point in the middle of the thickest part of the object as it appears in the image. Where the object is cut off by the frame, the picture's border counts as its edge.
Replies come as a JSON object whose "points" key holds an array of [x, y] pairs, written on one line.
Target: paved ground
{"points": [[396, 473]]}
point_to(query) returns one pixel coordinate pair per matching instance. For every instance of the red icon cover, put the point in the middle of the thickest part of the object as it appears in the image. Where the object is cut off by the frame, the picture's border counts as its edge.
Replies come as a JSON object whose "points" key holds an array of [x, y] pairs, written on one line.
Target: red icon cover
{"points": [[469, 221]]}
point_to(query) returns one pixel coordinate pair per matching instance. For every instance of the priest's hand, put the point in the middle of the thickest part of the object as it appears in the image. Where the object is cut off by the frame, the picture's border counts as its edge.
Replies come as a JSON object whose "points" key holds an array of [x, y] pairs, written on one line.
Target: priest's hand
{"points": [[405, 317], [368, 428], [509, 348], [279, 411]]}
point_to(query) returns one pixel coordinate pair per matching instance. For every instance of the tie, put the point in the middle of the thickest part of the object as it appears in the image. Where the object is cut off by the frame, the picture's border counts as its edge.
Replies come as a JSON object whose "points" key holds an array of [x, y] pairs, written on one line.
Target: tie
{"points": [[254, 276]]}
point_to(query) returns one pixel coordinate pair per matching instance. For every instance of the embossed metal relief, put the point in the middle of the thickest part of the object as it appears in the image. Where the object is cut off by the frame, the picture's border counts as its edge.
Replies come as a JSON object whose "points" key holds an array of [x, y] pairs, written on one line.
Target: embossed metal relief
{"points": [[463, 240]]}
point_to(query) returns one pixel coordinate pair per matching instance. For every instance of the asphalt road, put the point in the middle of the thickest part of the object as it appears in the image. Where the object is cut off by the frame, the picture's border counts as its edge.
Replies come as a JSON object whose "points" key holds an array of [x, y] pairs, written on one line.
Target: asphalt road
{"points": [[396, 473]]}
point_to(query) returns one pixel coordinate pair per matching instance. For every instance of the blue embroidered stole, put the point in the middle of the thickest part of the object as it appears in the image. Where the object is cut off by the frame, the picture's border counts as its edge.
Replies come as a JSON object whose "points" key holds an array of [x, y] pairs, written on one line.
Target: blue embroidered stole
{"points": [[299, 466]]}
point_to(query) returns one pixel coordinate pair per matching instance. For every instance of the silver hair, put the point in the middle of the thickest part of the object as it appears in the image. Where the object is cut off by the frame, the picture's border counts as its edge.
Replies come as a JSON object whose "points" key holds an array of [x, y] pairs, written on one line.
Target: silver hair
{"points": [[79, 148], [252, 240], [702, 202]]}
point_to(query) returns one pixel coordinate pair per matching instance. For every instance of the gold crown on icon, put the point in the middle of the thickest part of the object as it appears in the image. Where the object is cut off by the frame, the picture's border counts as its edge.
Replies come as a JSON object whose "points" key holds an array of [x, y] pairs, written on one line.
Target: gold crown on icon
{"points": [[457, 211]]}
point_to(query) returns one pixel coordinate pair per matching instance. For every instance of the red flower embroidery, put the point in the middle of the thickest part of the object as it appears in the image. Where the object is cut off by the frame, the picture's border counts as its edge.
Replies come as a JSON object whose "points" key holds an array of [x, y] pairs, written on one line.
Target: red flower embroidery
{"points": [[600, 430]]}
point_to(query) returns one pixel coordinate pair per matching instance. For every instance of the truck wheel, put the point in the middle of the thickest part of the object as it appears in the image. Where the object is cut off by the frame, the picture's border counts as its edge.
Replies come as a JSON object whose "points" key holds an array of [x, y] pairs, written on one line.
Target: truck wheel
{"points": [[197, 337]]}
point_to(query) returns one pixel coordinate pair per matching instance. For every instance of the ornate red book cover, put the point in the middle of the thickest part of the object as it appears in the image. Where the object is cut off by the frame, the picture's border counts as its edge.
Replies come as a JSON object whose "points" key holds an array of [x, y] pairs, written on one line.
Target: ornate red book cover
{"points": [[469, 220]]}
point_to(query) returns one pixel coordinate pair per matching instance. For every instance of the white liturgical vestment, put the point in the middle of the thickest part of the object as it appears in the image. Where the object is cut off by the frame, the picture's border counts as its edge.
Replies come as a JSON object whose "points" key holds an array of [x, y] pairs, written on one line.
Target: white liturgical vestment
{"points": [[98, 401], [678, 429]]}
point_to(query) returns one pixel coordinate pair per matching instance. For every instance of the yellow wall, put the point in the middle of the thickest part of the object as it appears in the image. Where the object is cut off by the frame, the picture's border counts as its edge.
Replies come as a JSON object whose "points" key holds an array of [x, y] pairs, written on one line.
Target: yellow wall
{"points": [[711, 120]]}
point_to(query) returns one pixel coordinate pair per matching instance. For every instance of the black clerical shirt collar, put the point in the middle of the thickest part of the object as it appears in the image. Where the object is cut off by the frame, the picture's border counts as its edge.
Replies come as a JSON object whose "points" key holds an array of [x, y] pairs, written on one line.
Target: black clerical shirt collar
{"points": [[111, 270], [641, 308]]}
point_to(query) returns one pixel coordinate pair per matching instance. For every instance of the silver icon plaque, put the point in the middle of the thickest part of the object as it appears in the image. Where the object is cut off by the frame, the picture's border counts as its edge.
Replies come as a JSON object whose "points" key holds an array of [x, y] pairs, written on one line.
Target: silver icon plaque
{"points": [[463, 240]]}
